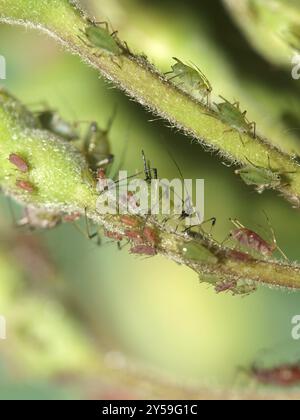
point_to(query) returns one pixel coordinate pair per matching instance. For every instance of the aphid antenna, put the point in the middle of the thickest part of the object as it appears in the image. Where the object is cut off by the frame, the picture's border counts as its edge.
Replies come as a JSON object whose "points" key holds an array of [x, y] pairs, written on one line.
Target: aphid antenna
{"points": [[87, 233]]}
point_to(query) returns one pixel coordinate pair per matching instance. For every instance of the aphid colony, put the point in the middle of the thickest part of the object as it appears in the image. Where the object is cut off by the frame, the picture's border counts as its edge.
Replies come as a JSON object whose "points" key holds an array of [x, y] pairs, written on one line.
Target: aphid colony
{"points": [[191, 80]]}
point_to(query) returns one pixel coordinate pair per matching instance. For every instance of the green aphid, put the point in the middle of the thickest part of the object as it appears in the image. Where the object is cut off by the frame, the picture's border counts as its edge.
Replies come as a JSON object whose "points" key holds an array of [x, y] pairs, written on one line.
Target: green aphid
{"points": [[230, 114], [262, 178], [52, 121], [96, 146], [196, 252], [100, 37], [191, 80]]}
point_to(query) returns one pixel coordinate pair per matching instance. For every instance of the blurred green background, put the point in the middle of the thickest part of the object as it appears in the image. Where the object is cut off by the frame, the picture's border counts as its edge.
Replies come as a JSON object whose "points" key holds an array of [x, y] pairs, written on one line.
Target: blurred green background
{"points": [[82, 321]]}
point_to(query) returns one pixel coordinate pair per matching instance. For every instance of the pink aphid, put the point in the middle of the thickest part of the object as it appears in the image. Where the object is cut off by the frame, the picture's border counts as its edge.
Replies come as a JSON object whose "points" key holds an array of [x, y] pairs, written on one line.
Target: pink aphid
{"points": [[114, 236], [285, 376], [252, 240], [150, 235], [225, 286], [134, 236], [25, 185], [19, 162], [238, 255], [143, 250], [129, 220]]}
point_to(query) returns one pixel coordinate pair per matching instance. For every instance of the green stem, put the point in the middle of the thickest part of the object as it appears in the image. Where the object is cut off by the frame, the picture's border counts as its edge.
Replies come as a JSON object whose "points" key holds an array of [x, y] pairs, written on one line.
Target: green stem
{"points": [[61, 183], [63, 20]]}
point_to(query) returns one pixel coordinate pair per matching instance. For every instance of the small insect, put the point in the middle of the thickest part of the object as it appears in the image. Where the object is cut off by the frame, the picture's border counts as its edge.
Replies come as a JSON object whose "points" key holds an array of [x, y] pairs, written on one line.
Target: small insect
{"points": [[150, 235], [143, 250], [96, 147], [19, 162], [225, 286], [52, 121], [262, 178], [25, 185], [114, 236], [192, 80], [252, 240], [129, 220], [287, 375], [197, 252], [238, 255], [134, 236], [230, 113], [100, 37]]}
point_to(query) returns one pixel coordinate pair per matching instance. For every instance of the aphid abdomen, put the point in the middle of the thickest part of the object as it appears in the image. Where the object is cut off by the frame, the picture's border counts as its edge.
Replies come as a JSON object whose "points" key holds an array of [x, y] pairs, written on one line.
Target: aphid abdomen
{"points": [[101, 38], [19, 162], [252, 240]]}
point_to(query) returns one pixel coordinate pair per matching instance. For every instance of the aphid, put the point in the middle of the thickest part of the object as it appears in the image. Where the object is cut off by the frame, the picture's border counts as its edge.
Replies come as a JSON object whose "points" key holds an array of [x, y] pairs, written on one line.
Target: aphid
{"points": [[52, 121], [285, 376], [96, 146], [197, 252], [19, 162], [129, 220], [261, 177], [192, 80], [150, 235], [99, 37], [238, 255], [25, 185], [252, 240], [113, 235], [230, 113], [225, 286], [143, 250]]}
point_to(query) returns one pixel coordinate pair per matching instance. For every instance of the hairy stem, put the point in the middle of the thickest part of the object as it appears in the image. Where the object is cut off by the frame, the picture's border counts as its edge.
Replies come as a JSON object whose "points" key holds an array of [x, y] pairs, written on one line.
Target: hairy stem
{"points": [[63, 20], [61, 183]]}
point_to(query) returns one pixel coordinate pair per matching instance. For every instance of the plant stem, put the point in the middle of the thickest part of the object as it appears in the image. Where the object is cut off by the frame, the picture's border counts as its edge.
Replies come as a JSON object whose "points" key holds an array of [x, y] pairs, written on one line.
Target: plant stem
{"points": [[63, 20], [62, 183]]}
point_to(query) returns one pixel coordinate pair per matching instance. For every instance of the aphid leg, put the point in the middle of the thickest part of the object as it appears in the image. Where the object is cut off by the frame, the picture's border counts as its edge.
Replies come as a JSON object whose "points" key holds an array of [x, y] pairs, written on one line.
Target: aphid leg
{"points": [[275, 245], [88, 233], [102, 23], [213, 221], [83, 40]]}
